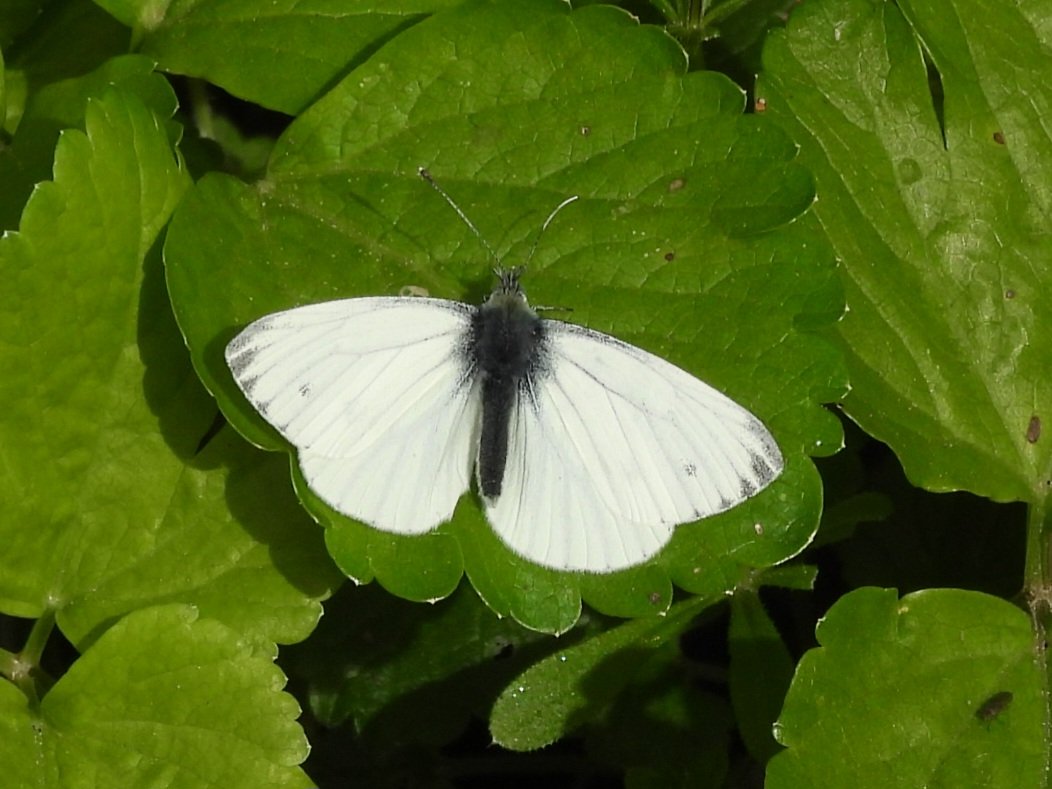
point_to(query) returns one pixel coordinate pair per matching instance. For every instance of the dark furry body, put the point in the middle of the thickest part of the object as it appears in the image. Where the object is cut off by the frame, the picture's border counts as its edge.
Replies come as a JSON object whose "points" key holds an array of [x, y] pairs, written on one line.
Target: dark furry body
{"points": [[507, 346]]}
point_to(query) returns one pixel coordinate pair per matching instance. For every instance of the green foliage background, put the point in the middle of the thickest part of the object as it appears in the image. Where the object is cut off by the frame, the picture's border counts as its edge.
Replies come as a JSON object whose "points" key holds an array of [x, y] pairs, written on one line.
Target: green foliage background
{"points": [[835, 211]]}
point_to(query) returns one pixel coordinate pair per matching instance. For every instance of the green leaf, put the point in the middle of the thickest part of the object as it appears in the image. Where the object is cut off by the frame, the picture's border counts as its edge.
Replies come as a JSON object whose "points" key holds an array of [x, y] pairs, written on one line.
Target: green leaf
{"points": [[280, 55], [14, 105], [937, 201], [107, 507], [895, 695], [257, 566], [561, 692], [683, 243], [62, 105], [162, 699]]}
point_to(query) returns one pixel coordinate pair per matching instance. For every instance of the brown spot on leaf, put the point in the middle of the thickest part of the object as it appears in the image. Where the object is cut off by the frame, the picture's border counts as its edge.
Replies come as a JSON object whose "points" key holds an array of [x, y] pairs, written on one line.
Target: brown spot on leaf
{"points": [[994, 706], [1033, 430]]}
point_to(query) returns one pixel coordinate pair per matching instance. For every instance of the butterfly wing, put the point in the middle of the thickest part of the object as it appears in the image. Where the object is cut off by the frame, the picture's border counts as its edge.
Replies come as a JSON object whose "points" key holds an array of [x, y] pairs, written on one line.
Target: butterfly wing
{"points": [[610, 447], [377, 397]]}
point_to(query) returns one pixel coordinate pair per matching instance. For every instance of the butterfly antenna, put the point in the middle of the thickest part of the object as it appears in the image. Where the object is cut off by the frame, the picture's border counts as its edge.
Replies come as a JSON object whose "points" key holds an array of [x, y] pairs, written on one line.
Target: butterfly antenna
{"points": [[426, 175], [544, 227]]}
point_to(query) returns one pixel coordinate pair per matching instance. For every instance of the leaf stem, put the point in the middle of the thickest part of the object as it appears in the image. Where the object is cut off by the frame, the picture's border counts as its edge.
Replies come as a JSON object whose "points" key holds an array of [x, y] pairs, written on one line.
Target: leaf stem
{"points": [[25, 669], [1039, 598]]}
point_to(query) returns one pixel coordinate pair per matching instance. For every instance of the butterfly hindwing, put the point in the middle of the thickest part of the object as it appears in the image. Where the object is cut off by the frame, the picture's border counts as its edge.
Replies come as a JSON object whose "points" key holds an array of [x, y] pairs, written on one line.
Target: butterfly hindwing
{"points": [[377, 398]]}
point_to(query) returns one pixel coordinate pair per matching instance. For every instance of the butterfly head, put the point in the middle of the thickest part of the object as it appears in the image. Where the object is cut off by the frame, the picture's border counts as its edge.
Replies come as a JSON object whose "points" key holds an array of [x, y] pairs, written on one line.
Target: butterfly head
{"points": [[508, 290], [508, 279]]}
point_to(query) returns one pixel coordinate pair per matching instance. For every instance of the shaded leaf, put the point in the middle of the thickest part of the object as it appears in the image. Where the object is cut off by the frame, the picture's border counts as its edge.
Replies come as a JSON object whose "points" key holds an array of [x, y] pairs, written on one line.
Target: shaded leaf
{"points": [[561, 692], [760, 670], [406, 673], [281, 55]]}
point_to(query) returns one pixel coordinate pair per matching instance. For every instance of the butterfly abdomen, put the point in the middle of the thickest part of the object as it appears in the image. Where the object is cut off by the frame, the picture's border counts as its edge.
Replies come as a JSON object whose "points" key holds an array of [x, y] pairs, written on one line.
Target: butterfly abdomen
{"points": [[507, 341]]}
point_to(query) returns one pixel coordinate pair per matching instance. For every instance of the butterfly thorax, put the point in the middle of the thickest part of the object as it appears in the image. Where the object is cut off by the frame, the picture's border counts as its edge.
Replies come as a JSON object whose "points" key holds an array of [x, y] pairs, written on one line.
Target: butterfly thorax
{"points": [[506, 334], [507, 343]]}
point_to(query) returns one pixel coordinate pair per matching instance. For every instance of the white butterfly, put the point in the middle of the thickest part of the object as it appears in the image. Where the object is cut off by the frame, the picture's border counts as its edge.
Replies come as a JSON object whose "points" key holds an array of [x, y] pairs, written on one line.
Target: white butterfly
{"points": [[587, 451]]}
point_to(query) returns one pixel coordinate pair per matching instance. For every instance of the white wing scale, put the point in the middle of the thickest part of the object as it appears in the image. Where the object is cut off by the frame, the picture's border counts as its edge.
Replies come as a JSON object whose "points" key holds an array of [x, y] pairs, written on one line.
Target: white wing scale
{"points": [[615, 446], [372, 392]]}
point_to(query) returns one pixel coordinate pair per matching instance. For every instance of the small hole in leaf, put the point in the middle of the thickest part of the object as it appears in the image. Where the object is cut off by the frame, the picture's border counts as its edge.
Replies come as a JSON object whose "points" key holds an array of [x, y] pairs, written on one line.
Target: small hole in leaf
{"points": [[938, 96]]}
